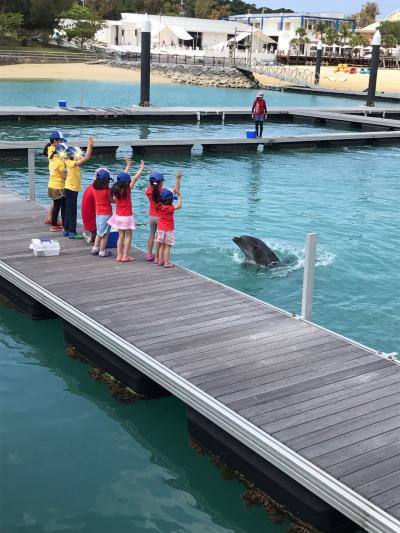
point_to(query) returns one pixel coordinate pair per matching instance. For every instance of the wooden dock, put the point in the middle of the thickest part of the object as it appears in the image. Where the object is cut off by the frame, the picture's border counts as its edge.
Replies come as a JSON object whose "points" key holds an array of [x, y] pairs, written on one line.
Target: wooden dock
{"points": [[178, 113], [321, 408], [210, 144]]}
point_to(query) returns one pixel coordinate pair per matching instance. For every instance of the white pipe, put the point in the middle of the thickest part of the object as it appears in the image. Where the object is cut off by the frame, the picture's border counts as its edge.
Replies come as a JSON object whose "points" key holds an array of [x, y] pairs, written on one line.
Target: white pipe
{"points": [[31, 174], [309, 274]]}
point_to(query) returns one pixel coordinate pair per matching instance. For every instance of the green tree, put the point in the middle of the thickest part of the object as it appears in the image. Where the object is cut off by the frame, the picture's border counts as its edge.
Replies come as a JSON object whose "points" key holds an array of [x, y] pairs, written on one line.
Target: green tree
{"points": [[85, 24], [367, 14], [320, 28], [345, 32], [300, 40], [105, 9], [390, 31], [356, 39], [331, 37], [10, 24]]}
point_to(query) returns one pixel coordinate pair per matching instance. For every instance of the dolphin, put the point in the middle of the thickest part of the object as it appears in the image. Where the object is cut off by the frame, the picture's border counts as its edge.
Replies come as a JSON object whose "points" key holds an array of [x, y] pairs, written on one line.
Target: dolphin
{"points": [[256, 250]]}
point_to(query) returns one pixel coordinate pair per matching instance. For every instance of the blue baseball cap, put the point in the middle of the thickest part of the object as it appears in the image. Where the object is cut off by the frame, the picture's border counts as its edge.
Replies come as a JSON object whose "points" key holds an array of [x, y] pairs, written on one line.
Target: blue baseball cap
{"points": [[156, 177], [74, 151], [61, 149], [103, 174], [166, 194], [123, 177], [57, 134]]}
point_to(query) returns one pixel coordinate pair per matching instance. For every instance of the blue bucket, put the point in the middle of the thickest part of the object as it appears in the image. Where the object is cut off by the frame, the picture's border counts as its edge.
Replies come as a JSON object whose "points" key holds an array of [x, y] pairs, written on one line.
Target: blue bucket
{"points": [[62, 103], [251, 134], [112, 239]]}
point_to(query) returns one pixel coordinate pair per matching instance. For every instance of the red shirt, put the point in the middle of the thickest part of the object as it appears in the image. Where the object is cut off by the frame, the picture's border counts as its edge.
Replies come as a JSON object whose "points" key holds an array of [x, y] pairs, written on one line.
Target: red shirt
{"points": [[103, 201], [153, 206], [166, 220], [89, 209], [259, 106], [124, 205]]}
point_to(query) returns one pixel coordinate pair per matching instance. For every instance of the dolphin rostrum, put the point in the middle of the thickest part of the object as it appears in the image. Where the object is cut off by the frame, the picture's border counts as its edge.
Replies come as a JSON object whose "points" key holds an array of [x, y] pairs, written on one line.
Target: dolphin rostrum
{"points": [[256, 250]]}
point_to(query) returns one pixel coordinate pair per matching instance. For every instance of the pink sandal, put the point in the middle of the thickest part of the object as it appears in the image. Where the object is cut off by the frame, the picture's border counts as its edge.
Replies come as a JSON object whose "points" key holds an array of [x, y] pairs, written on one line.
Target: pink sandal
{"points": [[169, 265], [119, 259], [150, 257], [127, 259]]}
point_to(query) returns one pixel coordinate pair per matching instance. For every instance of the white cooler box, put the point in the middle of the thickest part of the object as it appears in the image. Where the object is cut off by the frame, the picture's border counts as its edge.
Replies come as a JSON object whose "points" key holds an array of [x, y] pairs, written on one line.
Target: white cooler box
{"points": [[45, 247]]}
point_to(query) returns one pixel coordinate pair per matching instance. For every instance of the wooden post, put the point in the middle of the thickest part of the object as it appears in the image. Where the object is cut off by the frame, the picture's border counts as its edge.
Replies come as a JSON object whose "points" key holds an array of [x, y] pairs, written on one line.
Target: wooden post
{"points": [[31, 174], [309, 274]]}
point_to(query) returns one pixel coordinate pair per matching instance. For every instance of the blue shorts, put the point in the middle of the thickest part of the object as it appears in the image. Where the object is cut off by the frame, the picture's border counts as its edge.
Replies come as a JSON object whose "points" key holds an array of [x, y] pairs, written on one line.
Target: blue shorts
{"points": [[102, 228], [259, 118]]}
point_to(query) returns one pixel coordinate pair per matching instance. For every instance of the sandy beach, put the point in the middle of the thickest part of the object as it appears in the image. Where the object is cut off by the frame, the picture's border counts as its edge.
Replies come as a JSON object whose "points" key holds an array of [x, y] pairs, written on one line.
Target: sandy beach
{"points": [[72, 71], [388, 80]]}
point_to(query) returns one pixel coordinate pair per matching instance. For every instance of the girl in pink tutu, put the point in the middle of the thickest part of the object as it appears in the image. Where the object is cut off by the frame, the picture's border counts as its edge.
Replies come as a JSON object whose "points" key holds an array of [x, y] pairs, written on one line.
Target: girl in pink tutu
{"points": [[123, 217]]}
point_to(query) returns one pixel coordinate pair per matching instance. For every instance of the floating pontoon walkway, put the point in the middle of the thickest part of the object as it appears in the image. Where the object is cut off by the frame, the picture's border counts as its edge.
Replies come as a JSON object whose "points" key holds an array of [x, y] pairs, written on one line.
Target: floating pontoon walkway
{"points": [[178, 113], [319, 407], [210, 144]]}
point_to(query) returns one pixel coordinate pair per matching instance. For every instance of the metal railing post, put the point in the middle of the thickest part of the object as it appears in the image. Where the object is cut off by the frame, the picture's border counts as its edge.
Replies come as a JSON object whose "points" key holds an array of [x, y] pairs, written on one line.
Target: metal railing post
{"points": [[309, 274], [31, 174]]}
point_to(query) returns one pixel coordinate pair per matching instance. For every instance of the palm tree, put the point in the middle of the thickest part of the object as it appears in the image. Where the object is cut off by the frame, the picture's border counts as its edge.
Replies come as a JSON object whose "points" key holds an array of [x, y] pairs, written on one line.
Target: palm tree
{"points": [[345, 32], [320, 28], [300, 40], [331, 37]]}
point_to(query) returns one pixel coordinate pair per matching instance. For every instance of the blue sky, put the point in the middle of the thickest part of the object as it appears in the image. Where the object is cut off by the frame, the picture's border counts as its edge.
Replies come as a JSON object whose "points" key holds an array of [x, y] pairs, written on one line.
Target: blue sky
{"points": [[347, 6]]}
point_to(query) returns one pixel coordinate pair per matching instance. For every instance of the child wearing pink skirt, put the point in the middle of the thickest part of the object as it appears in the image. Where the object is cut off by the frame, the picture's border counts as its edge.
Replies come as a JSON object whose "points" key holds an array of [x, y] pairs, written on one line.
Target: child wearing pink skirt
{"points": [[123, 217]]}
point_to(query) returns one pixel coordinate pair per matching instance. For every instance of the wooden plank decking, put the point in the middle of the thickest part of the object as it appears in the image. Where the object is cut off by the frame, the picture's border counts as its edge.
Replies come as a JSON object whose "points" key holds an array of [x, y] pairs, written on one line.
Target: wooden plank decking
{"points": [[323, 409], [139, 146], [181, 113]]}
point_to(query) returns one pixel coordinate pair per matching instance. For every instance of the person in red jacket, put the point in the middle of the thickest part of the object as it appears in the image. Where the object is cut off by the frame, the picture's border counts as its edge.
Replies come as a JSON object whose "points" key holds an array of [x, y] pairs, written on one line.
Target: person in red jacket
{"points": [[89, 212], [259, 113]]}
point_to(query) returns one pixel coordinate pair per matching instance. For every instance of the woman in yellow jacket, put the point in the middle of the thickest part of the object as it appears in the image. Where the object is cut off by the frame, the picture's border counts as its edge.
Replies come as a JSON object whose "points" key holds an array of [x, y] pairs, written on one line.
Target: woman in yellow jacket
{"points": [[56, 185]]}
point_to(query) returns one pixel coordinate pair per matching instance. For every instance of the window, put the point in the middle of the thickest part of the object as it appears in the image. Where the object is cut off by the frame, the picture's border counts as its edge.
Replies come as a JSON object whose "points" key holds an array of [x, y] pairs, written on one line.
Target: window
{"points": [[287, 26]]}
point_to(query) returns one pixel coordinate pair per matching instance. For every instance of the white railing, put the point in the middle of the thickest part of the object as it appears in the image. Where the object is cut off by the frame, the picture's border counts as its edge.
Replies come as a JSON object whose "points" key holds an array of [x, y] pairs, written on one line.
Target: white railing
{"points": [[297, 76]]}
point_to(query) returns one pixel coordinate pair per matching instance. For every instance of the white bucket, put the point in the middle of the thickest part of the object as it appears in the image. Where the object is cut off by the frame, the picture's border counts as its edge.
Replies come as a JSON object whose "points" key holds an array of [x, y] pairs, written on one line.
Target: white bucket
{"points": [[44, 247]]}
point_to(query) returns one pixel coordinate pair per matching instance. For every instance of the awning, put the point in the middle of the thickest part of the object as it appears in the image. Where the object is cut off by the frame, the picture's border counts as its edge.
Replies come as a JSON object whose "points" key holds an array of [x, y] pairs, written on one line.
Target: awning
{"points": [[239, 37], [181, 33], [263, 36]]}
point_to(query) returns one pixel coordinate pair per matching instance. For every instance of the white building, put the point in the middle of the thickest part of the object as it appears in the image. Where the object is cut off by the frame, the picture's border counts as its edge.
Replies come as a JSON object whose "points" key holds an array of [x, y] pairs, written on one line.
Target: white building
{"points": [[183, 35], [281, 27]]}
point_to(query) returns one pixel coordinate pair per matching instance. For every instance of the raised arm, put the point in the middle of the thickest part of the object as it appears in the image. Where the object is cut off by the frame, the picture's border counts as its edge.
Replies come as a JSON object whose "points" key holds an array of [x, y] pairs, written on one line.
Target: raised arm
{"points": [[177, 187], [128, 164], [179, 203], [137, 175], [88, 153]]}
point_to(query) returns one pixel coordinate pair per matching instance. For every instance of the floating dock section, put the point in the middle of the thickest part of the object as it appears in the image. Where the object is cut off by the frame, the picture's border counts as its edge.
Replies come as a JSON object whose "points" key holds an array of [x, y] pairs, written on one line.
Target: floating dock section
{"points": [[309, 416]]}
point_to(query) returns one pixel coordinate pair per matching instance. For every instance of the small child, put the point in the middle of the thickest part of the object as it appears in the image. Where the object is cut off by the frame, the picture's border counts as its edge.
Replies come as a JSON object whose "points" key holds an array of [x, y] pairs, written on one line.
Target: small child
{"points": [[156, 180], [56, 185], [165, 230], [73, 186], [88, 209], [102, 195], [123, 218]]}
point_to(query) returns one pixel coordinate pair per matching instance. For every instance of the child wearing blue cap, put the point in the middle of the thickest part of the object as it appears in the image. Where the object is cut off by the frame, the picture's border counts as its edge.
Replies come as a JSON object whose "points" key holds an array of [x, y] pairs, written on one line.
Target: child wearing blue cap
{"points": [[123, 217], [56, 137], [102, 196], [156, 180], [74, 160], [165, 229]]}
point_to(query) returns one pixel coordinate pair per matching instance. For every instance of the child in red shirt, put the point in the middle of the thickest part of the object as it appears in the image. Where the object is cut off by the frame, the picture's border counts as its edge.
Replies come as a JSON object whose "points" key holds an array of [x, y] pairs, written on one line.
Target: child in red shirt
{"points": [[102, 196], [123, 217], [165, 230], [156, 180]]}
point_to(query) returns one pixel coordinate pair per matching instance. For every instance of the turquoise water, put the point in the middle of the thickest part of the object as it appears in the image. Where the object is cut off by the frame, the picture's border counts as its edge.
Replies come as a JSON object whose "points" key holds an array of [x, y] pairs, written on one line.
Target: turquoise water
{"points": [[91, 93], [145, 130], [72, 458]]}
